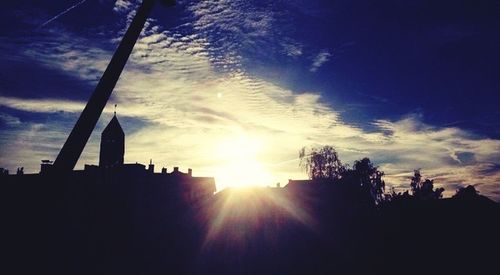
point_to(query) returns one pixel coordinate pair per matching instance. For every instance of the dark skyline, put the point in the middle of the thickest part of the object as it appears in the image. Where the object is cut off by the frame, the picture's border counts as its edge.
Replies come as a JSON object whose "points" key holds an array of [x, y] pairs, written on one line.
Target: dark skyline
{"points": [[411, 85]]}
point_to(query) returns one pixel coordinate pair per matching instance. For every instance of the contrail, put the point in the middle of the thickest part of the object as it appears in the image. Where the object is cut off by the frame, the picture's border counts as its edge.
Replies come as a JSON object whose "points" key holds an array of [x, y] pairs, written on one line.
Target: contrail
{"points": [[62, 13]]}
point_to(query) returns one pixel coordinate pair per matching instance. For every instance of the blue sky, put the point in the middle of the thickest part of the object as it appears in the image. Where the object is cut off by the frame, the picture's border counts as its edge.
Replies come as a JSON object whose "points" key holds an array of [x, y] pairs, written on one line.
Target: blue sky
{"points": [[235, 88]]}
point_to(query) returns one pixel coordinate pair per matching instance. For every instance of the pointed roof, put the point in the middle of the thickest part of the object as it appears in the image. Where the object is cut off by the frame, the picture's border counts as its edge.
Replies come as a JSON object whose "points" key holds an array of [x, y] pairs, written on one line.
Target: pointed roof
{"points": [[113, 128]]}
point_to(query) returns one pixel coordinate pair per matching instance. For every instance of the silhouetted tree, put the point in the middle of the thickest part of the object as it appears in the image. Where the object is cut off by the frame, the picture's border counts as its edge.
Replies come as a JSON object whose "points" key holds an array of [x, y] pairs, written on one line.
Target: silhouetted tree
{"points": [[324, 163], [466, 193], [393, 196], [424, 189], [368, 177], [20, 171], [415, 181], [321, 163], [4, 172]]}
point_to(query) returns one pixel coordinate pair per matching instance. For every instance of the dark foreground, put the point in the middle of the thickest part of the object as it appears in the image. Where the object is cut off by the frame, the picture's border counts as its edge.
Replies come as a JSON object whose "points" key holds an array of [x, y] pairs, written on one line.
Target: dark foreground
{"points": [[65, 228]]}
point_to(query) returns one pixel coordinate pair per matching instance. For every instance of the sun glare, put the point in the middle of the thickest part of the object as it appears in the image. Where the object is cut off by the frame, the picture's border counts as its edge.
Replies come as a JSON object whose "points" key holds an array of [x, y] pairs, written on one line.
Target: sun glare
{"points": [[238, 163]]}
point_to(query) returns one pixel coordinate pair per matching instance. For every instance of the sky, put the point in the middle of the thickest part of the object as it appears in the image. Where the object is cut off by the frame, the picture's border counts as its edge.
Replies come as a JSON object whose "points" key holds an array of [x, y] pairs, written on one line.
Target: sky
{"points": [[235, 88]]}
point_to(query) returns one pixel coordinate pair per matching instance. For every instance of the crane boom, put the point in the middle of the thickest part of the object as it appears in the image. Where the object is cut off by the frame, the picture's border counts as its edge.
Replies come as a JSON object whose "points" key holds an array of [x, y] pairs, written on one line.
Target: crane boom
{"points": [[77, 139]]}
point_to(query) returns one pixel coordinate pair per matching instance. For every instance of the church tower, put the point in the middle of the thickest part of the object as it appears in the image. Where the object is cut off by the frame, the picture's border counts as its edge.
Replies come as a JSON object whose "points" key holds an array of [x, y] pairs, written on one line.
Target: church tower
{"points": [[112, 144]]}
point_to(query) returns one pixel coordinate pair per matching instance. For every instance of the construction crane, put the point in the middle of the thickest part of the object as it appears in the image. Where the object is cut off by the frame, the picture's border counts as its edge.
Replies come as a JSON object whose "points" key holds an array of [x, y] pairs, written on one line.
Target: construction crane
{"points": [[77, 139]]}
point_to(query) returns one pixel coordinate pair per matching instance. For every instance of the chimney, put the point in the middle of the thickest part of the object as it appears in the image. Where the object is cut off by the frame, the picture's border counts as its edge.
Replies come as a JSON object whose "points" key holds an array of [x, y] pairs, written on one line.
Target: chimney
{"points": [[190, 172], [46, 166], [176, 169], [151, 167], [163, 170]]}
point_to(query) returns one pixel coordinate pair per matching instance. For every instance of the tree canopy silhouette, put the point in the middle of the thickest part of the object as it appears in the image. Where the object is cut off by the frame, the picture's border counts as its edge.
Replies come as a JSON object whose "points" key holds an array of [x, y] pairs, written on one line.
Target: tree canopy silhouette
{"points": [[424, 189], [321, 163], [370, 178], [467, 193]]}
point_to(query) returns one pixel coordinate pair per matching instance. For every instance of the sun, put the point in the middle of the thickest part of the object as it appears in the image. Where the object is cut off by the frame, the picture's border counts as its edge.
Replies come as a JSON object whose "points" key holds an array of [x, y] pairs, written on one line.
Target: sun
{"points": [[238, 163]]}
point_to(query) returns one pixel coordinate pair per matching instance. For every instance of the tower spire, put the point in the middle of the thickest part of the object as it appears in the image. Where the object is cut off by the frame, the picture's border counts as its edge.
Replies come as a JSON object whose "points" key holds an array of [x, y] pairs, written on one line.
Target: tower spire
{"points": [[73, 147]]}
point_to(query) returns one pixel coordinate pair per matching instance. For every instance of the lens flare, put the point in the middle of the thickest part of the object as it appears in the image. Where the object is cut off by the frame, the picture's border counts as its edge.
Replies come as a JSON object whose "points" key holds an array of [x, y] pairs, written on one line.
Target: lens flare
{"points": [[239, 215], [239, 164]]}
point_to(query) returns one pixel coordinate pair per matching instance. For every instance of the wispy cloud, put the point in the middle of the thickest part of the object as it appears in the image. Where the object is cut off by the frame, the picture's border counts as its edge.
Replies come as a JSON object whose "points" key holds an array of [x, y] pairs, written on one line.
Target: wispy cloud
{"points": [[292, 49], [42, 105], [319, 60], [122, 5], [9, 120]]}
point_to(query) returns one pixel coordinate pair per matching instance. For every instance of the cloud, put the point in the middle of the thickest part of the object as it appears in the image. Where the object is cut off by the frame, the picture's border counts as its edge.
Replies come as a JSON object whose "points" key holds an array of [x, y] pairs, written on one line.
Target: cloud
{"points": [[292, 49], [42, 105], [26, 143], [411, 144], [201, 109], [122, 5], [81, 58], [9, 120], [319, 60]]}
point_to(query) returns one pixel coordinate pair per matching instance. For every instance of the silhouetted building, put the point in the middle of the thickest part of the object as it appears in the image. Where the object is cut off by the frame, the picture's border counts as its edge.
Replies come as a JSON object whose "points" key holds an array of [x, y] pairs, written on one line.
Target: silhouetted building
{"points": [[294, 183], [112, 170], [112, 173], [112, 145]]}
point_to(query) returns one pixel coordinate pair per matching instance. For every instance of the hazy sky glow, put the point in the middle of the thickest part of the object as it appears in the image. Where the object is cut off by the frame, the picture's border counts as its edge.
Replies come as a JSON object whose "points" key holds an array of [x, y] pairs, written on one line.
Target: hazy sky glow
{"points": [[233, 89]]}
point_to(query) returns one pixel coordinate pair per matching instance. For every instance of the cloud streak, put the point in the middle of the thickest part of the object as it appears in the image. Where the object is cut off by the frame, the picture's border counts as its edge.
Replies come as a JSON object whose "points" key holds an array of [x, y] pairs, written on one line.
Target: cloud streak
{"points": [[61, 14]]}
